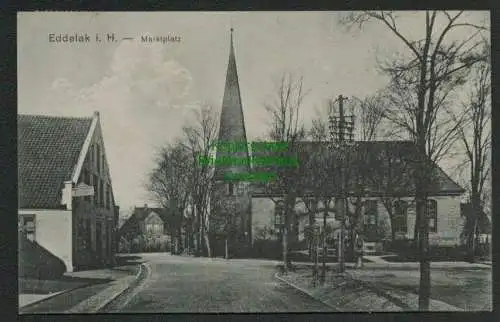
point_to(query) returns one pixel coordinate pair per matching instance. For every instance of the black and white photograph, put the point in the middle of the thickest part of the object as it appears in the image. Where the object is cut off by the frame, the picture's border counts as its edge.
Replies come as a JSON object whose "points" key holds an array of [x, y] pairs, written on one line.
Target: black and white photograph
{"points": [[254, 162]]}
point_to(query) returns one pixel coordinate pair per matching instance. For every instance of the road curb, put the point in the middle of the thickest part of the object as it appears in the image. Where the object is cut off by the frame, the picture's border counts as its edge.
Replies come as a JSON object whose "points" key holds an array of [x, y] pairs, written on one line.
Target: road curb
{"points": [[140, 277], [370, 288], [89, 306], [276, 275], [382, 293]]}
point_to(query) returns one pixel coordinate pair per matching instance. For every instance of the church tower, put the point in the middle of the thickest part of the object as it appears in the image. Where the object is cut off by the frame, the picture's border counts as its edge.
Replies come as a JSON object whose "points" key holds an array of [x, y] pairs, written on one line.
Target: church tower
{"points": [[231, 199]]}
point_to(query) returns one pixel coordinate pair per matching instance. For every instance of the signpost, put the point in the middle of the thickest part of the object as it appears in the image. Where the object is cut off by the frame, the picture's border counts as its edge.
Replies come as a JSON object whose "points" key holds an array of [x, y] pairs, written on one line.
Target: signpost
{"points": [[82, 190]]}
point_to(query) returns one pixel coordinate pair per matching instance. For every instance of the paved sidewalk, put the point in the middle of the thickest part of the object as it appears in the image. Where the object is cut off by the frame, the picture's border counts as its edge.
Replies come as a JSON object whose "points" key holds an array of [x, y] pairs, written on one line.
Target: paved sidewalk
{"points": [[83, 286], [27, 299], [379, 263], [97, 301]]}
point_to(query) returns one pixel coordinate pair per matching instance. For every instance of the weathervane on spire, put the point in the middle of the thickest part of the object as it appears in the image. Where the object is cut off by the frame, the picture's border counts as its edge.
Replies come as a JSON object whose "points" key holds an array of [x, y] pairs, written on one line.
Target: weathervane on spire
{"points": [[231, 28]]}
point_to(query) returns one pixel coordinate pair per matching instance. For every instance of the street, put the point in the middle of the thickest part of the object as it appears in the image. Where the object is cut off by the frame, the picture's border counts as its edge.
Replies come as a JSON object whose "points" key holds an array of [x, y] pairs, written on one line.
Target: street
{"points": [[201, 285]]}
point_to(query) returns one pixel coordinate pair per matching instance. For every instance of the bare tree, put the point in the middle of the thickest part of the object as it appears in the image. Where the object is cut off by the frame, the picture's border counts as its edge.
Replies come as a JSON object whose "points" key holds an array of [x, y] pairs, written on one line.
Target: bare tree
{"points": [[285, 128], [474, 131], [169, 184], [319, 131], [369, 113], [423, 82], [199, 139], [316, 186]]}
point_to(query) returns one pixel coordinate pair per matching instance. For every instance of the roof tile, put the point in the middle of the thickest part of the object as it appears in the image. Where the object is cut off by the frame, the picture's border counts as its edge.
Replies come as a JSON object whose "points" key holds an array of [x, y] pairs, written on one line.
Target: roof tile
{"points": [[48, 150]]}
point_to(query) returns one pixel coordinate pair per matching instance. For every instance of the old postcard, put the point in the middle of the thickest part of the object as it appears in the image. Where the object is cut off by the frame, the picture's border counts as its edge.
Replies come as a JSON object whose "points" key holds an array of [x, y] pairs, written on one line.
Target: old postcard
{"points": [[205, 162]]}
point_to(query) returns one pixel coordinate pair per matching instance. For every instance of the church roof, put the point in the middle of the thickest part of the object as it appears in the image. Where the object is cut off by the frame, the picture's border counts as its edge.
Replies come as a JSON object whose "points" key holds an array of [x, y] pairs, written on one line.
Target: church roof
{"points": [[232, 123], [380, 167]]}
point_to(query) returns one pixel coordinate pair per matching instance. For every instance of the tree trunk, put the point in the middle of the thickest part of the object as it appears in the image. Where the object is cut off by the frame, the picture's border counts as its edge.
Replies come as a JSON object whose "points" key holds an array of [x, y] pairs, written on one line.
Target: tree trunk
{"points": [[423, 236], [226, 249], [315, 255], [325, 249], [197, 233], [285, 246], [207, 244], [311, 240], [416, 242], [179, 241], [471, 241], [475, 200]]}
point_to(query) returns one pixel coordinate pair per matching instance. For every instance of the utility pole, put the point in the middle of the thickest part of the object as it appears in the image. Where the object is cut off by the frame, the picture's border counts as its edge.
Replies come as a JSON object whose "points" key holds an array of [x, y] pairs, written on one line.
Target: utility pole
{"points": [[325, 248], [339, 129], [342, 191]]}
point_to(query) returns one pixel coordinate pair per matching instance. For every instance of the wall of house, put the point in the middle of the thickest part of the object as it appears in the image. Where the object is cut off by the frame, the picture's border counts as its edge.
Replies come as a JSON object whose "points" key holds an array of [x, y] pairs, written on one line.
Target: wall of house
{"points": [[53, 231], [86, 210], [100, 207], [449, 221], [263, 215], [153, 219]]}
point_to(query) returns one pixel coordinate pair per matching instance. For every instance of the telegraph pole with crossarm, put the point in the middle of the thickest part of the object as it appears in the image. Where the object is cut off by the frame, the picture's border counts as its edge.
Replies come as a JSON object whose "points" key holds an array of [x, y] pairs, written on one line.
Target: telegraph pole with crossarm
{"points": [[341, 132]]}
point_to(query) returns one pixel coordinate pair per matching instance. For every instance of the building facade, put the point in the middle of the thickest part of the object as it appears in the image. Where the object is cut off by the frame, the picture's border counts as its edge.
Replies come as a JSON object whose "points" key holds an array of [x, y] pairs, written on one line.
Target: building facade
{"points": [[66, 201], [147, 229], [231, 199], [380, 172]]}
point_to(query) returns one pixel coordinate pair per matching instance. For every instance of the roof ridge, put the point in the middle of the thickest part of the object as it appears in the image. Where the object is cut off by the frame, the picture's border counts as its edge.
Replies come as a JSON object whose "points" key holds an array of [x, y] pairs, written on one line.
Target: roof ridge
{"points": [[57, 116]]}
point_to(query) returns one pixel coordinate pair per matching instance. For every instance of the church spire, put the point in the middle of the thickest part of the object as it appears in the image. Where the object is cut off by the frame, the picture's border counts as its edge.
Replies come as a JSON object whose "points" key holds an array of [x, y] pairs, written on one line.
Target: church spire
{"points": [[232, 123]]}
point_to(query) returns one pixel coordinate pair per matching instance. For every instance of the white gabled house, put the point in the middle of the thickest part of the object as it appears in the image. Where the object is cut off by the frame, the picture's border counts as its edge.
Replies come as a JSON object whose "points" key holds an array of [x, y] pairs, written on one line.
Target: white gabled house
{"points": [[66, 201]]}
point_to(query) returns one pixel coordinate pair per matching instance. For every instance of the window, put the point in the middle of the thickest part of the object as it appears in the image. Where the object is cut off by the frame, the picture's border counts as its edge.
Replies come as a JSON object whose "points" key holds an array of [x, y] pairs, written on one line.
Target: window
{"points": [[96, 189], [432, 215], [400, 216], [101, 193], [102, 163], [371, 212], [28, 226], [98, 158], [92, 157], [279, 210], [108, 197], [240, 188], [86, 180], [230, 189]]}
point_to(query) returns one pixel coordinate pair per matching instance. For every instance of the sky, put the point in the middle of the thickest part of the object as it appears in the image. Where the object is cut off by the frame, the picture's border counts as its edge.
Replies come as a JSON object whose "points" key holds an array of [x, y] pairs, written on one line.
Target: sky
{"points": [[146, 92]]}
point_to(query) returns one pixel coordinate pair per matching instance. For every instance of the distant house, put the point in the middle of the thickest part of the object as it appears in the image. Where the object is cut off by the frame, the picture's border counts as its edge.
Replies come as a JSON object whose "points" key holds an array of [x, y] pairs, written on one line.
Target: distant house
{"points": [[152, 223], [66, 200]]}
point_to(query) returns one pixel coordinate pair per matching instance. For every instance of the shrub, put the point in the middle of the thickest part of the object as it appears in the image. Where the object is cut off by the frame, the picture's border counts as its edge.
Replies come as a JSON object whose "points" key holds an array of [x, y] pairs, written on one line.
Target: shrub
{"points": [[124, 245], [268, 249]]}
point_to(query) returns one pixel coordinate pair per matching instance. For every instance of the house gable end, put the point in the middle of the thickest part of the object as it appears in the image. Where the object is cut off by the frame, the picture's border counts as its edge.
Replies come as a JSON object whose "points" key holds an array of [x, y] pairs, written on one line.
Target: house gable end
{"points": [[153, 218]]}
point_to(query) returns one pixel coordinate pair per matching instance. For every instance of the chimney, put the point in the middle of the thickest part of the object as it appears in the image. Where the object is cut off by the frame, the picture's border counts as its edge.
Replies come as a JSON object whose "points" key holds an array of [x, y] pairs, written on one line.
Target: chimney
{"points": [[145, 206], [96, 113]]}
